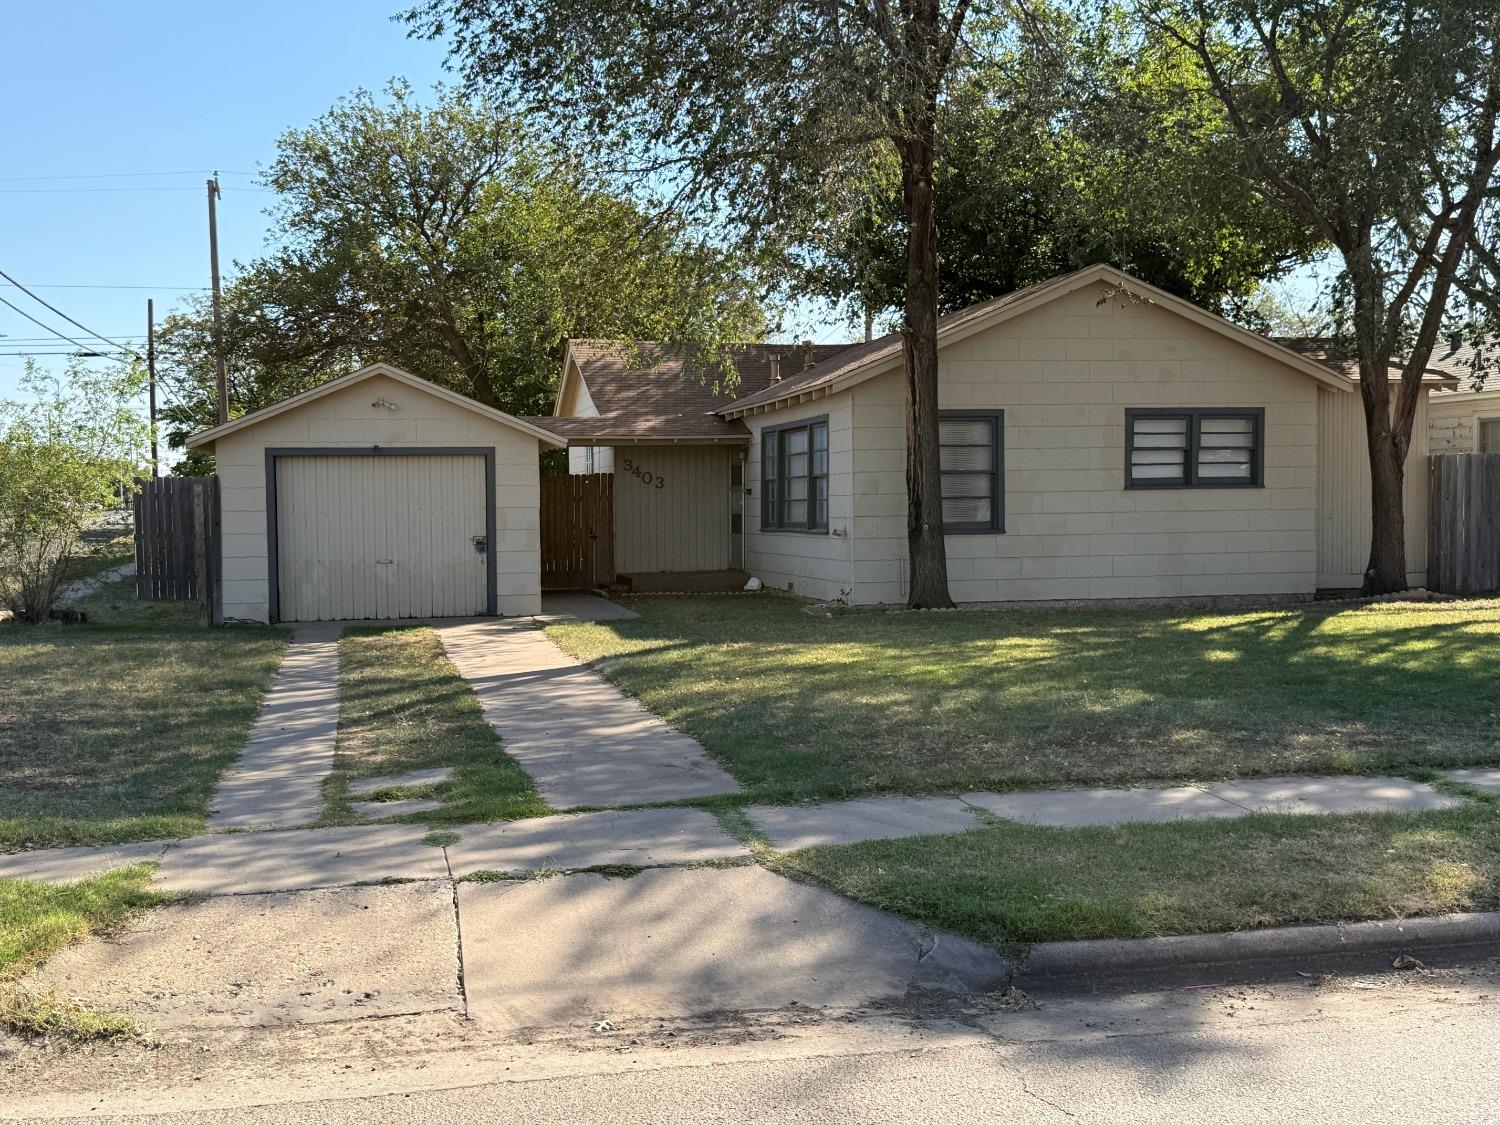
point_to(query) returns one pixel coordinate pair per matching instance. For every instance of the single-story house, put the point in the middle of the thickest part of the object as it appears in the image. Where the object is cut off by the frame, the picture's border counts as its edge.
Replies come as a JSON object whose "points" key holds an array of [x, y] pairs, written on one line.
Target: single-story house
{"points": [[1466, 418], [1101, 438]]}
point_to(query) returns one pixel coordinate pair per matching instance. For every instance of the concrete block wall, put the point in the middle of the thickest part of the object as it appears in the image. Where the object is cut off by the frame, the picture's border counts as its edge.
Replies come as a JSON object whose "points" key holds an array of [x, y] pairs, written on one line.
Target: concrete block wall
{"points": [[1064, 375], [348, 418], [813, 563]]}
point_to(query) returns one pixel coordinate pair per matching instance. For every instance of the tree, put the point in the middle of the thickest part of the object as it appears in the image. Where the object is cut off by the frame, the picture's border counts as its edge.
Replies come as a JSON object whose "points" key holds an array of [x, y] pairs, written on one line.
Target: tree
{"points": [[65, 452], [1374, 124], [447, 240], [1064, 150], [766, 116]]}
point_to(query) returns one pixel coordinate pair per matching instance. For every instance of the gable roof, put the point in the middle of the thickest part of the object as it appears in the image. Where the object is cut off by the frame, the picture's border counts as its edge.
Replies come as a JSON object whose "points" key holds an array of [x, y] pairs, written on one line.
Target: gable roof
{"points": [[864, 361], [255, 417], [642, 391]]}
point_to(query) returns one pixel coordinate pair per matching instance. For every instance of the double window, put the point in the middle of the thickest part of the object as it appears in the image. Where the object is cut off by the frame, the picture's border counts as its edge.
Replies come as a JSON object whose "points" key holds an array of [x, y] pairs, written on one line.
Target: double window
{"points": [[794, 476], [1194, 448], [972, 460]]}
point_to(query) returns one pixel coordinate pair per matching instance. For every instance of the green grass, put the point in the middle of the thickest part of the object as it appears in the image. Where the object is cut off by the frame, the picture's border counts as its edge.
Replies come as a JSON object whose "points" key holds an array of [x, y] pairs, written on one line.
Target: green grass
{"points": [[403, 706], [1012, 883], [119, 729], [37, 920], [800, 706]]}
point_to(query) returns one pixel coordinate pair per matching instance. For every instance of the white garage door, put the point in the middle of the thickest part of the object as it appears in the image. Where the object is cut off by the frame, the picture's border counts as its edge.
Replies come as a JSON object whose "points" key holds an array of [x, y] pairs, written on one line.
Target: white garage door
{"points": [[380, 537]]}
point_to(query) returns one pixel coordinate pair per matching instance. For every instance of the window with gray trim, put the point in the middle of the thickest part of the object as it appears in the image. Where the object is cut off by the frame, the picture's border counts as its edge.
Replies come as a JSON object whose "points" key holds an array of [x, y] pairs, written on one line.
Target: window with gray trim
{"points": [[971, 455], [1194, 448], [794, 476]]}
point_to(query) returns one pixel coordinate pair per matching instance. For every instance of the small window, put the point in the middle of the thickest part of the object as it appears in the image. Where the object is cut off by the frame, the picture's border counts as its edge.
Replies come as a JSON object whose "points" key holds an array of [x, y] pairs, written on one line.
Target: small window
{"points": [[1193, 448], [794, 477], [1489, 435], [972, 461]]}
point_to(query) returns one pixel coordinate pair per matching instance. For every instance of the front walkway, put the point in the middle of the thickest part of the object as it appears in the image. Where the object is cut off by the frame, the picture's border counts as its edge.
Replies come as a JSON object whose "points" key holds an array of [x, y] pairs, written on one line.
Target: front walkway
{"points": [[278, 781], [582, 740]]}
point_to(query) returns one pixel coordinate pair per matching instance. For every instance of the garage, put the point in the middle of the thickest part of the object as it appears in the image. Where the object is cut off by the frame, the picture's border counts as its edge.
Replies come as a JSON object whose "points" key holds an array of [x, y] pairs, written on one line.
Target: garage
{"points": [[360, 535], [378, 496]]}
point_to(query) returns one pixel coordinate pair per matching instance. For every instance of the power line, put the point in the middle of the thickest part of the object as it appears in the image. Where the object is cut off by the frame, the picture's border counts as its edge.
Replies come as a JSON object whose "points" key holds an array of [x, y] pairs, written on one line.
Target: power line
{"points": [[42, 324], [80, 285], [92, 353], [117, 175], [77, 324], [74, 190]]}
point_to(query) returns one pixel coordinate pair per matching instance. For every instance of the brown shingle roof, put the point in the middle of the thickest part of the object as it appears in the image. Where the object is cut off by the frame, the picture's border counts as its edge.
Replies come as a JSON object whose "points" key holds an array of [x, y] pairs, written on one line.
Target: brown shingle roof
{"points": [[1322, 349], [644, 392], [1459, 358]]}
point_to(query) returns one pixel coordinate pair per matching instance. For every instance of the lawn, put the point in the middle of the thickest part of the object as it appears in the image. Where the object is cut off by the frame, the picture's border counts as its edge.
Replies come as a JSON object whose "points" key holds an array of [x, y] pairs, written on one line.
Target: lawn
{"points": [[119, 729], [403, 706], [1013, 883], [801, 706]]}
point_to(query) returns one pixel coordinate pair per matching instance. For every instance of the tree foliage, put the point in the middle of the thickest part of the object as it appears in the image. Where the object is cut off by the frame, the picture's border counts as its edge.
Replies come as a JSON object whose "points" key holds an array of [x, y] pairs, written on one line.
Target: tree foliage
{"points": [[1065, 148], [66, 449], [768, 118], [1374, 124], [448, 240]]}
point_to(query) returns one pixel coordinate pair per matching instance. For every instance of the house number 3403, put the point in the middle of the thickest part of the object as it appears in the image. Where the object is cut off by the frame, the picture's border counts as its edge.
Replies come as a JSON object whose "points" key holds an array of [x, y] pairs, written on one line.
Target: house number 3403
{"points": [[645, 476]]}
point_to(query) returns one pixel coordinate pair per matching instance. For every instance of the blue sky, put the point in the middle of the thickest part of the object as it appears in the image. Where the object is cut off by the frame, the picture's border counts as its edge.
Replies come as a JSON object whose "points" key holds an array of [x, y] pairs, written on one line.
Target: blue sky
{"points": [[96, 89], [97, 94]]}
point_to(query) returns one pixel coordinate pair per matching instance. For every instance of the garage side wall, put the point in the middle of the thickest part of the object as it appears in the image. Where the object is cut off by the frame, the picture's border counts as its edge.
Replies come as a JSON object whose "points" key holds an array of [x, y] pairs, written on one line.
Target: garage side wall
{"points": [[349, 418]]}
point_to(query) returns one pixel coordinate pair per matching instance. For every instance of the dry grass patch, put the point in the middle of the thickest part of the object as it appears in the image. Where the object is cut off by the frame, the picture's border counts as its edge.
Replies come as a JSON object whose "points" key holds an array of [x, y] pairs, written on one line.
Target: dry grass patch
{"points": [[119, 729]]}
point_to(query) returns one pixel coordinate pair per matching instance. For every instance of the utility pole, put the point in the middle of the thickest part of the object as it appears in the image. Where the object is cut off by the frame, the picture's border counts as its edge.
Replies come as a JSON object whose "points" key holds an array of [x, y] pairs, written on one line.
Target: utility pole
{"points": [[213, 255], [151, 380]]}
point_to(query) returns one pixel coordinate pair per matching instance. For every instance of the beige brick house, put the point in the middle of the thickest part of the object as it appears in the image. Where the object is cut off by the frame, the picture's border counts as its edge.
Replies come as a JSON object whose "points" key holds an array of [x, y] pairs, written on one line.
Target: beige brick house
{"points": [[1101, 439]]}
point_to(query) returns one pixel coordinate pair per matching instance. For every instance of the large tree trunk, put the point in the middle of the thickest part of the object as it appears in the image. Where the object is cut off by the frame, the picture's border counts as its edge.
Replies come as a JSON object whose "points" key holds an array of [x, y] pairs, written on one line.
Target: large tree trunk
{"points": [[928, 587], [1386, 571]]}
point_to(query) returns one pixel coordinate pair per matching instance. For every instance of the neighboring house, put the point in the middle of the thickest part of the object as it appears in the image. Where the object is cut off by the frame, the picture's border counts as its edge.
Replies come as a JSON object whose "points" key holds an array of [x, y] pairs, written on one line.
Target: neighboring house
{"points": [[1466, 419], [1101, 439]]}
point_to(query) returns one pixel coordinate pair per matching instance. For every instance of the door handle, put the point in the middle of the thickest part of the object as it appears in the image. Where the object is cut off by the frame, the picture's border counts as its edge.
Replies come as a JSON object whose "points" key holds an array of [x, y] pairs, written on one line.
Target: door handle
{"points": [[481, 542]]}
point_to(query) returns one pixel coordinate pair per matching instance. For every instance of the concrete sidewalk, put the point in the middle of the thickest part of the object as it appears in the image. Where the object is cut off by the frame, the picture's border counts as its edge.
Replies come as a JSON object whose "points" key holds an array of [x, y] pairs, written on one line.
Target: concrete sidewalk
{"points": [[790, 827], [582, 740], [278, 781]]}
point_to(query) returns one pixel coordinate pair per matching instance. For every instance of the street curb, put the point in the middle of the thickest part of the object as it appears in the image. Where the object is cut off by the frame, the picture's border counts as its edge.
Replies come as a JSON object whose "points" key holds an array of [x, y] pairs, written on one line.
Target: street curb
{"points": [[1076, 960]]}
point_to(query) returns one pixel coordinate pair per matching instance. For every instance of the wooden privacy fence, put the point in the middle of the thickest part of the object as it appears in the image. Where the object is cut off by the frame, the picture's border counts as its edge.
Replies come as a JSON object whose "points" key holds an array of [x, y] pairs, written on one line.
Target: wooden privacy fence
{"points": [[177, 541], [578, 531], [1463, 535]]}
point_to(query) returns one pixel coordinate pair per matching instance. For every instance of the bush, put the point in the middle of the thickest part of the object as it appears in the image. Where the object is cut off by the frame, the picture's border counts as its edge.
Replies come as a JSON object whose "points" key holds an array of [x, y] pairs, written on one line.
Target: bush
{"points": [[65, 453]]}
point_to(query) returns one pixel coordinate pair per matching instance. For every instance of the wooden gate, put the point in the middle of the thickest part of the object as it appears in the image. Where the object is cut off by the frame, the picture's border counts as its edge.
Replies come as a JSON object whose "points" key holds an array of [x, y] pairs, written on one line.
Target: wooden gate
{"points": [[177, 541], [578, 531], [1463, 537]]}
